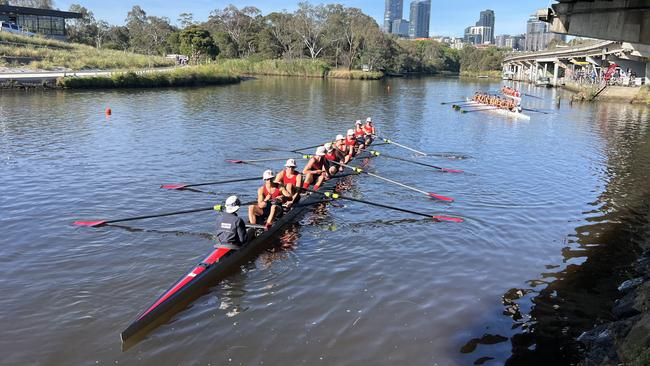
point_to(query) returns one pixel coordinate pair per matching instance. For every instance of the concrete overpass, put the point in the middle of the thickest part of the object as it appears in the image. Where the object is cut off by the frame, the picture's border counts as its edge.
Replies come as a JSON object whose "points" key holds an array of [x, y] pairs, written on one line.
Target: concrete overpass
{"points": [[619, 20], [589, 58]]}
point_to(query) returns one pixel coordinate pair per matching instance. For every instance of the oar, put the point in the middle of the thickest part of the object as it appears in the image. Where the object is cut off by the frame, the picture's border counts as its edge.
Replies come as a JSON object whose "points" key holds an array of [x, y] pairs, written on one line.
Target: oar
{"points": [[445, 170], [98, 223], [389, 141], [234, 161], [334, 195], [535, 110], [457, 101], [532, 96], [359, 170], [478, 110], [183, 186]]}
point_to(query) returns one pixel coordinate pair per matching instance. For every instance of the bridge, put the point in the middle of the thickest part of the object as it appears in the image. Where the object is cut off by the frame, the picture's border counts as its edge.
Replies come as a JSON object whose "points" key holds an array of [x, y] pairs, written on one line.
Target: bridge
{"points": [[589, 58]]}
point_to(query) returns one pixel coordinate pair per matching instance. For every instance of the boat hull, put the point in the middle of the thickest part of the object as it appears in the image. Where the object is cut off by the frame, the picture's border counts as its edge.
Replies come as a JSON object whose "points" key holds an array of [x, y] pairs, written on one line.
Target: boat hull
{"points": [[503, 112]]}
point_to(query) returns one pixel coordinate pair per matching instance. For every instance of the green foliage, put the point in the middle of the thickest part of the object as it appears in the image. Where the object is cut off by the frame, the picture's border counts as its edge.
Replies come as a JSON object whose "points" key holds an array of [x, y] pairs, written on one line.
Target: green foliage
{"points": [[198, 44], [187, 76], [473, 59], [302, 67], [355, 74]]}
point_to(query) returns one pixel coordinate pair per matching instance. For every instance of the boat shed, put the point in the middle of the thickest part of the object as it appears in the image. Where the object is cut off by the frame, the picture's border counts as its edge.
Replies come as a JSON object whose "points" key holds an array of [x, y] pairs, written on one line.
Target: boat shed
{"points": [[50, 23]]}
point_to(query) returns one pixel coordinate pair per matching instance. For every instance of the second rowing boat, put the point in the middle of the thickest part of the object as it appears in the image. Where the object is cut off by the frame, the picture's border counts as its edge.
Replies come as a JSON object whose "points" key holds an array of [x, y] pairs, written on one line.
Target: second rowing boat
{"points": [[503, 112]]}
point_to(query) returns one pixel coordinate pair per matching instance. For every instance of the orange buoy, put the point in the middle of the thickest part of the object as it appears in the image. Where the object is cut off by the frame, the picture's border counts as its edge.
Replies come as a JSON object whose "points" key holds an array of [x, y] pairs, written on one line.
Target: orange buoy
{"points": [[108, 111]]}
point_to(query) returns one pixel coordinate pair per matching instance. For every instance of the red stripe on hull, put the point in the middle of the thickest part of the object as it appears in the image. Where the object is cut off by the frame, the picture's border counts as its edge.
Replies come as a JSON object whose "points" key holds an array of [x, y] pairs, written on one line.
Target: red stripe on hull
{"points": [[209, 260]]}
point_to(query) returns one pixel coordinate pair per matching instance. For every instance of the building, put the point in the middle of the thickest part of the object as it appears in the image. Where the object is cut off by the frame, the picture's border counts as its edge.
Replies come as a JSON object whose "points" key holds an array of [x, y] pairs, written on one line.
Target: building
{"points": [[50, 23], [419, 19], [393, 12], [400, 27], [508, 41], [486, 19], [478, 35], [538, 35]]}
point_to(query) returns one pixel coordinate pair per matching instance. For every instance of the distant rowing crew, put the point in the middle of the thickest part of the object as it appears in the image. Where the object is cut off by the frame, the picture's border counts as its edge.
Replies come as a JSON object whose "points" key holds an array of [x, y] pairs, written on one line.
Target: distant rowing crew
{"points": [[283, 190], [512, 92], [496, 101]]}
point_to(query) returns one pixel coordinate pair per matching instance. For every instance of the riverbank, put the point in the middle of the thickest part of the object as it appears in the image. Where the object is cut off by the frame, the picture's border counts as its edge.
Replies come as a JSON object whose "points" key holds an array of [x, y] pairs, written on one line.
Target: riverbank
{"points": [[492, 74]]}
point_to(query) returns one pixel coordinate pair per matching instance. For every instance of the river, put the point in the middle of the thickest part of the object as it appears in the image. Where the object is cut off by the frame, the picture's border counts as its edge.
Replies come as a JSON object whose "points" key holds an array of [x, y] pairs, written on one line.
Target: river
{"points": [[355, 285]]}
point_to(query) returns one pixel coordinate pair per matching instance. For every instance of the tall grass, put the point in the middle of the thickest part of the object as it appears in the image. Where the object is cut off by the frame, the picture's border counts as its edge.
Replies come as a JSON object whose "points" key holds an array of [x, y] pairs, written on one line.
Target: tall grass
{"points": [[355, 74], [49, 54], [187, 76], [298, 67]]}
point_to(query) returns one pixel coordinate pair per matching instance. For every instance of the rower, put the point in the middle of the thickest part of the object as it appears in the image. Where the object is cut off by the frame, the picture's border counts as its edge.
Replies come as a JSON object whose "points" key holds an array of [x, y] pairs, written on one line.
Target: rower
{"points": [[231, 229], [351, 143], [269, 198], [290, 182], [369, 131], [316, 171], [331, 159], [341, 149]]}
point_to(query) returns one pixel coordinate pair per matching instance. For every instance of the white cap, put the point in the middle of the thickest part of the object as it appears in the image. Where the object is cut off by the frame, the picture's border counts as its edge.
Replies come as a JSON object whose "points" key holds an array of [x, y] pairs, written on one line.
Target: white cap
{"points": [[369, 119], [358, 122], [268, 174], [350, 132], [340, 137], [291, 163], [232, 204], [320, 151], [328, 146]]}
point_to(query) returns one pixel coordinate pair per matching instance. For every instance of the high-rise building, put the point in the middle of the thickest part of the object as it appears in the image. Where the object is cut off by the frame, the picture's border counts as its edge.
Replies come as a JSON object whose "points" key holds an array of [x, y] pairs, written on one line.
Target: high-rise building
{"points": [[486, 19], [393, 11], [508, 41], [420, 17], [478, 35], [400, 27], [538, 35]]}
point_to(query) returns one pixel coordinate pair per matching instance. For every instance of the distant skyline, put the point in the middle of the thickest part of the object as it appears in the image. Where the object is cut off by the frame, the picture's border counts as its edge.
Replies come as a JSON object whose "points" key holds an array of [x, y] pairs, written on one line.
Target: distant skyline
{"points": [[447, 19]]}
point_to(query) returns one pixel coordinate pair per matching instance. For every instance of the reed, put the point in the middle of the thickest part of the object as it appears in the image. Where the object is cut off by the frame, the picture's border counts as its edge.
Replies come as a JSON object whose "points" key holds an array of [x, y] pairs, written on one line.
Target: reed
{"points": [[355, 74], [298, 67]]}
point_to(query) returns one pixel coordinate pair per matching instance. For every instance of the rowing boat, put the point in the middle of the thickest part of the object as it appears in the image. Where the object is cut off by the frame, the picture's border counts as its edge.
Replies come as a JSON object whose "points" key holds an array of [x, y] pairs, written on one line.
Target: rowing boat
{"points": [[500, 111], [221, 261]]}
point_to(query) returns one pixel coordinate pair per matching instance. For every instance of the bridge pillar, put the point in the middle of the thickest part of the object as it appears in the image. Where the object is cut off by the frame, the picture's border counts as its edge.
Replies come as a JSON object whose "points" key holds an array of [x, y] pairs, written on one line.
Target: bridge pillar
{"points": [[556, 71]]}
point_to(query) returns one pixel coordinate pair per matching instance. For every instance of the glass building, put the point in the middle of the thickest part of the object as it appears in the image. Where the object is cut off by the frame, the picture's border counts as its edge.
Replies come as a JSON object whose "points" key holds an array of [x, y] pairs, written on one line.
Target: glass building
{"points": [[393, 12], [419, 20], [50, 23]]}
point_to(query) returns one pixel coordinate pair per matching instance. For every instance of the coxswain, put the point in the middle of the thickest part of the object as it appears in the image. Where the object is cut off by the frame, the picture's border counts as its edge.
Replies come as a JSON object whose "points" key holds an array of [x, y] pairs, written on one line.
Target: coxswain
{"points": [[316, 170], [231, 229], [269, 198], [341, 149], [351, 143], [290, 182]]}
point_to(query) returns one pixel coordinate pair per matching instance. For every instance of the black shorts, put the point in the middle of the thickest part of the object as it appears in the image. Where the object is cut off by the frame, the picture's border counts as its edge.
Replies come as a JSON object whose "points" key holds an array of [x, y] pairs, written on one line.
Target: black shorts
{"points": [[266, 211]]}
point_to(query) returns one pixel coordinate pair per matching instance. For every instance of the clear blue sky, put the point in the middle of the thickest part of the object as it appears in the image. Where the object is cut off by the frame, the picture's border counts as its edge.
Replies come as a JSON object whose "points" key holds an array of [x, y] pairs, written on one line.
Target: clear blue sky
{"points": [[447, 17]]}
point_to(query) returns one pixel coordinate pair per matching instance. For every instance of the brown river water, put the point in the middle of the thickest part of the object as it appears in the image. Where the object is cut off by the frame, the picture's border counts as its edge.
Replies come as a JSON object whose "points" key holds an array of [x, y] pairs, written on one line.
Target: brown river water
{"points": [[550, 207]]}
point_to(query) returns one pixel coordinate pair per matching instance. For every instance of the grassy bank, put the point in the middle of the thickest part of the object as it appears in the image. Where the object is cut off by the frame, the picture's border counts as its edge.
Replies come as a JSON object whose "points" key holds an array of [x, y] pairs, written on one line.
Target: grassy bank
{"points": [[492, 74], [355, 74], [643, 97], [298, 67], [187, 76], [47, 54]]}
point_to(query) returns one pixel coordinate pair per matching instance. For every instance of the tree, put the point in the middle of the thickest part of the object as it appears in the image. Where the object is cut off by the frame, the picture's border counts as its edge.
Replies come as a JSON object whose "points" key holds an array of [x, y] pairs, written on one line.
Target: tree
{"points": [[136, 22], [41, 4], [197, 43], [240, 24], [186, 20], [227, 48], [280, 27], [309, 25], [157, 30], [84, 29], [117, 38]]}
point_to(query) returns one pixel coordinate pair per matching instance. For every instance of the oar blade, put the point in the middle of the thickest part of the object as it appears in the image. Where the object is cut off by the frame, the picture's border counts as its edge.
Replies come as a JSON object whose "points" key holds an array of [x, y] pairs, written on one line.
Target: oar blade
{"points": [[90, 223], [441, 197], [447, 170], [173, 186], [233, 161], [440, 218]]}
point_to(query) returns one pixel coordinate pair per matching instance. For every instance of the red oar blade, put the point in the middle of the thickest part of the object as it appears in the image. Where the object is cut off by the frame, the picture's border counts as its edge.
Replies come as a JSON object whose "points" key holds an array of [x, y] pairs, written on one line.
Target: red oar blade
{"points": [[173, 186], [90, 223], [448, 219], [234, 161], [441, 197], [446, 170]]}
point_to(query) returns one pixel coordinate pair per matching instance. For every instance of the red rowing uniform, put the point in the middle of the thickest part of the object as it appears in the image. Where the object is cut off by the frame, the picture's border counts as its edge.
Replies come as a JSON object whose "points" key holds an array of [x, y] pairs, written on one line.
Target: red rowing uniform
{"points": [[368, 129], [286, 180], [350, 142], [331, 156], [359, 133], [276, 193]]}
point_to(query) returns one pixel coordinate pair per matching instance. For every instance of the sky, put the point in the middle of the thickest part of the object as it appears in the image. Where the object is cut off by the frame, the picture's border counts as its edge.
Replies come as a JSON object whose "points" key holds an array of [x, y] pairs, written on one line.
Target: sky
{"points": [[448, 18]]}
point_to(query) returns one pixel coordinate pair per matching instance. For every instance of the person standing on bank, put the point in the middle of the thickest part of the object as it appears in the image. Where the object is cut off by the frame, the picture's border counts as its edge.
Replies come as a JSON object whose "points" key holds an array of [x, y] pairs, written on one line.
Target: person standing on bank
{"points": [[231, 229]]}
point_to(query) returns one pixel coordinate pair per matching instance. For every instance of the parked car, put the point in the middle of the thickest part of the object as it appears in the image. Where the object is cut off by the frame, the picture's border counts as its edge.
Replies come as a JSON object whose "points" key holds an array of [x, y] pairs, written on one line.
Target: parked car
{"points": [[543, 81], [13, 28]]}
